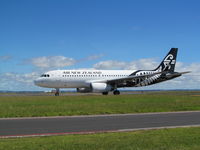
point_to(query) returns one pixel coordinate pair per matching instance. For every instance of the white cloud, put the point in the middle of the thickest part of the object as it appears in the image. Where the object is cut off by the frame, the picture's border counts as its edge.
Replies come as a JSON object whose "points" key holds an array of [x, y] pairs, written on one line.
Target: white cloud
{"points": [[110, 65], [133, 65], [5, 58], [93, 57], [142, 64], [14, 81], [52, 61]]}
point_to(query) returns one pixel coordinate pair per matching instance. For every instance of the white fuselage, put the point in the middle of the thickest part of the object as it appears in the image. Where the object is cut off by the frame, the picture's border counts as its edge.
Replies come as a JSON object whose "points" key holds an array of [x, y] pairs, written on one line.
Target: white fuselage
{"points": [[78, 78]]}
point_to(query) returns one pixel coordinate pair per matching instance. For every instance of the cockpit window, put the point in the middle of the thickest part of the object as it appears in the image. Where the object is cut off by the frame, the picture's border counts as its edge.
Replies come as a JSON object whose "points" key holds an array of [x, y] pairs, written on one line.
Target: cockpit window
{"points": [[45, 75]]}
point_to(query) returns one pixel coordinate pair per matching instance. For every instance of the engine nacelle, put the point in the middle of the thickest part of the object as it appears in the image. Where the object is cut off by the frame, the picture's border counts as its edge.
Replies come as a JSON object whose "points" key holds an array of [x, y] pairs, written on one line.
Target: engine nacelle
{"points": [[84, 90], [100, 87]]}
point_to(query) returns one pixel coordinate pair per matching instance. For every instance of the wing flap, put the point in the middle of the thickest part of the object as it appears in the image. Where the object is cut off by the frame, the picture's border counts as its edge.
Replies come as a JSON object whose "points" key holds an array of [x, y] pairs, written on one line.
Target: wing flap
{"points": [[129, 78]]}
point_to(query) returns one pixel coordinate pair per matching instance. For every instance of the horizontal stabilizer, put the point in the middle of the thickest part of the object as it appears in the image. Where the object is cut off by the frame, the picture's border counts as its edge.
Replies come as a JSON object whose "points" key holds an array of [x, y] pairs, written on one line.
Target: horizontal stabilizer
{"points": [[185, 72]]}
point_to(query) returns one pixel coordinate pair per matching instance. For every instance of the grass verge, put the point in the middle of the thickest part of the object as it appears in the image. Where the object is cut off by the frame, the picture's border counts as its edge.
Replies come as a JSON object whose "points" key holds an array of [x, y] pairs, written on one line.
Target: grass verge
{"points": [[32, 106], [164, 139]]}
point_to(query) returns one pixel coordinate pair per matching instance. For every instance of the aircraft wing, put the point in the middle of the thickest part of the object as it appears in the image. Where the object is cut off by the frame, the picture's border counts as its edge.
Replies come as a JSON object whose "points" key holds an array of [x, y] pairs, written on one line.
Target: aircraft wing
{"points": [[126, 79], [131, 78]]}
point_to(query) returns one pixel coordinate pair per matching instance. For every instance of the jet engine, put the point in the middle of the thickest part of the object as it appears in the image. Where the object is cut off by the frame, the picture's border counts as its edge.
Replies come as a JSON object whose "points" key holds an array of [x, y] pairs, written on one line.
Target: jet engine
{"points": [[84, 90], [101, 87], [96, 88]]}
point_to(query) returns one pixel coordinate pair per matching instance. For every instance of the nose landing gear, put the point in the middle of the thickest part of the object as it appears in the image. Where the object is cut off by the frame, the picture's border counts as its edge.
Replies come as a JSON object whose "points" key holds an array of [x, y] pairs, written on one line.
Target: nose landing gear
{"points": [[57, 93]]}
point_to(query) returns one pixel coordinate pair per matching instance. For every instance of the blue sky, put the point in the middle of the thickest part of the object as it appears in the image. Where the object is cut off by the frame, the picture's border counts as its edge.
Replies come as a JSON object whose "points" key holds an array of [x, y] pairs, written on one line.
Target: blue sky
{"points": [[90, 32]]}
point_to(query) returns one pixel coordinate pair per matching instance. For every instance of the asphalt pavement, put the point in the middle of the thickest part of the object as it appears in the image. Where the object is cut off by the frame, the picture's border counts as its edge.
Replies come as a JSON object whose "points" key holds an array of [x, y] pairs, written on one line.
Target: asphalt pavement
{"points": [[41, 126]]}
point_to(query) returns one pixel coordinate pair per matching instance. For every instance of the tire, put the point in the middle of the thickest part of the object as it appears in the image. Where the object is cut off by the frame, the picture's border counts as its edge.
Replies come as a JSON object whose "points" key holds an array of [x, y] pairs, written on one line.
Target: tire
{"points": [[105, 93], [116, 92], [56, 94]]}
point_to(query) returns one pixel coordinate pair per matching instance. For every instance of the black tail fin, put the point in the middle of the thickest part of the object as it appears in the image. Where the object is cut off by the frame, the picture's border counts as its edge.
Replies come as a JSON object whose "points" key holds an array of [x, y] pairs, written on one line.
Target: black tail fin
{"points": [[169, 62]]}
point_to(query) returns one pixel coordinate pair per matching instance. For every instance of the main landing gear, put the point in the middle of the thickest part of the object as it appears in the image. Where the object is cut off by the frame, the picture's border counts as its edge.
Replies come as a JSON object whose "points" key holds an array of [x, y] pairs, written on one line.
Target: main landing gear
{"points": [[57, 92], [105, 93], [116, 92]]}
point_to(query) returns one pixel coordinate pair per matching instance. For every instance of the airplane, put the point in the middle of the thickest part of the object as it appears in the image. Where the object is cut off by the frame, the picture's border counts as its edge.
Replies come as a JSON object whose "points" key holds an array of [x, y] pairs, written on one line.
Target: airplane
{"points": [[105, 81]]}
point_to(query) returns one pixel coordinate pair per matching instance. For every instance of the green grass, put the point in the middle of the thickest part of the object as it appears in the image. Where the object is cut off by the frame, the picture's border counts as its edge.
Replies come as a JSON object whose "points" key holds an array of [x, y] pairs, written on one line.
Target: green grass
{"points": [[30, 106], [165, 139]]}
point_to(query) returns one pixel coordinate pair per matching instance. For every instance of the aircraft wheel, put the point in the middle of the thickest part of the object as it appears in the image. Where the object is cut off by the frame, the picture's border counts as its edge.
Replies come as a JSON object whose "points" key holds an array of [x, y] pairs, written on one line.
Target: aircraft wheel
{"points": [[105, 93], [57, 92], [116, 92]]}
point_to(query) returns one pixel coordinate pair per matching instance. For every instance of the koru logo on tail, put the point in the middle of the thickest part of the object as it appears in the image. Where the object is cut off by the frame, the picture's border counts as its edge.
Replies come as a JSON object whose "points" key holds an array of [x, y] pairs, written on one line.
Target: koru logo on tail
{"points": [[168, 61]]}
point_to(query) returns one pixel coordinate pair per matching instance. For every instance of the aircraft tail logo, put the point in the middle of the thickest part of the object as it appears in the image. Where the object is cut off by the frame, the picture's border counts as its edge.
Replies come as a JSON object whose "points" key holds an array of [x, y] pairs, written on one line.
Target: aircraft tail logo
{"points": [[169, 62]]}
